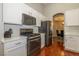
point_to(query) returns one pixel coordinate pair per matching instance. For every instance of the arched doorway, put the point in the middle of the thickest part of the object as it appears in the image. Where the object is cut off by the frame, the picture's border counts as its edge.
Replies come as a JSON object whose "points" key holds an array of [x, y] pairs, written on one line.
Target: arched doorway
{"points": [[58, 26]]}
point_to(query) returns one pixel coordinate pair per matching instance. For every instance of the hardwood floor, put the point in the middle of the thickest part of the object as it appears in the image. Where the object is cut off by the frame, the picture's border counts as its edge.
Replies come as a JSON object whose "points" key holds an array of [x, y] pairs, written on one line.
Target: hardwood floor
{"points": [[56, 49], [52, 51]]}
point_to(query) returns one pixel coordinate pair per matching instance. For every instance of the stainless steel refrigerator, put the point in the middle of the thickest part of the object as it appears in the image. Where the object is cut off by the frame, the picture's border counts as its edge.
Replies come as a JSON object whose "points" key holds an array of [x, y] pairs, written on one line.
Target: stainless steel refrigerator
{"points": [[46, 28]]}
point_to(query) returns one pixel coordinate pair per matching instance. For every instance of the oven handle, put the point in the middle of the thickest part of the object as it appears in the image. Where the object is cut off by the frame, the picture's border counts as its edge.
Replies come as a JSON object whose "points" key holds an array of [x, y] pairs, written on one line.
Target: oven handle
{"points": [[34, 37], [34, 40]]}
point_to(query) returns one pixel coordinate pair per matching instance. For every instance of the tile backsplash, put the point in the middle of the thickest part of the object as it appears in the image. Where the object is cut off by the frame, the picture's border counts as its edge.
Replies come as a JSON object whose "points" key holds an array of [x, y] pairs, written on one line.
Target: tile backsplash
{"points": [[73, 30], [16, 29]]}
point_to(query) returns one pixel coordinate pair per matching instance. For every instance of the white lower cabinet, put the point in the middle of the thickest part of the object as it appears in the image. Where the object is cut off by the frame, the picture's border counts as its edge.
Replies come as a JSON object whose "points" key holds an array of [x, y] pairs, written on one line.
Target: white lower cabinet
{"points": [[1, 49], [16, 47], [42, 40], [19, 51], [71, 43]]}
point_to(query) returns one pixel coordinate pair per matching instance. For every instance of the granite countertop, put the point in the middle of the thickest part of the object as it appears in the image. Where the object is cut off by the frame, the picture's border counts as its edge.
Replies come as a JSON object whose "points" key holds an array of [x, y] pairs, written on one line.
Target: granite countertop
{"points": [[72, 34], [12, 39]]}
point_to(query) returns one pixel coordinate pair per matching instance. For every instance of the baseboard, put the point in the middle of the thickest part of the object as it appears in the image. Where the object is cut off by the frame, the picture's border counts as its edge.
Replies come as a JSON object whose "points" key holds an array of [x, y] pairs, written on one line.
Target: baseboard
{"points": [[72, 50]]}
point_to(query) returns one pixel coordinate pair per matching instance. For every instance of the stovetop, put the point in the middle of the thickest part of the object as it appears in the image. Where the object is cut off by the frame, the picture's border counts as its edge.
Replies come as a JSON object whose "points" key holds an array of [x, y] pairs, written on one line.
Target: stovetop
{"points": [[33, 34]]}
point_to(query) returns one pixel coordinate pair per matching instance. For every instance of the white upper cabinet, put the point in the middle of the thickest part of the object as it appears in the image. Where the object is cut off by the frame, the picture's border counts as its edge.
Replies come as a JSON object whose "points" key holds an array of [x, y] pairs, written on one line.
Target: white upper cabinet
{"points": [[72, 17], [12, 13], [38, 21]]}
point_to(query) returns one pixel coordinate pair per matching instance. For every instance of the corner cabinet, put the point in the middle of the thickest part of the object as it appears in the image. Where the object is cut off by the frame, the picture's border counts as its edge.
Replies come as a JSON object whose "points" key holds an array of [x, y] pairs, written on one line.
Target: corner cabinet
{"points": [[72, 17]]}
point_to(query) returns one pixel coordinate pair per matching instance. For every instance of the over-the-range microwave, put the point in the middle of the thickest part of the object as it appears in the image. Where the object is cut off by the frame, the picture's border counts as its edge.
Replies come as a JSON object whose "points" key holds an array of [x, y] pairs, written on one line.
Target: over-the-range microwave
{"points": [[28, 20]]}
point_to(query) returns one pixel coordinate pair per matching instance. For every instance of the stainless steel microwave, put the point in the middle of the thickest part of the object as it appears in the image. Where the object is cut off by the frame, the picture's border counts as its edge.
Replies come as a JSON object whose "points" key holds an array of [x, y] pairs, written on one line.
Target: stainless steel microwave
{"points": [[28, 20]]}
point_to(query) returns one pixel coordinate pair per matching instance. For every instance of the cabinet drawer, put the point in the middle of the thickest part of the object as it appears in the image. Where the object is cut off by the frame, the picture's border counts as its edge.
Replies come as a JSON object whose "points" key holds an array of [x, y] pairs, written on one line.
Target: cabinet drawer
{"points": [[14, 44], [20, 51]]}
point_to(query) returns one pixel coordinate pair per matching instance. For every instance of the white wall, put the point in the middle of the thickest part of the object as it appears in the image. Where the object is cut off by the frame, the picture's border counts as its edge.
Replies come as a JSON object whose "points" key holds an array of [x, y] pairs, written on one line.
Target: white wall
{"points": [[53, 8]]}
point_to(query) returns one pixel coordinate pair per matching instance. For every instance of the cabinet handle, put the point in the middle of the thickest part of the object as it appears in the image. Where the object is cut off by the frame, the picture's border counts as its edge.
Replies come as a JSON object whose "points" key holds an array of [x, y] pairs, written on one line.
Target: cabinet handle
{"points": [[18, 43], [34, 40], [70, 37]]}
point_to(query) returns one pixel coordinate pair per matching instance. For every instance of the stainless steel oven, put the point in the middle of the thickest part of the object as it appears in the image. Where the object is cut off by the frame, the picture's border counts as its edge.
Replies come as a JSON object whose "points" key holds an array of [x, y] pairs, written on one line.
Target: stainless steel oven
{"points": [[33, 44], [33, 41]]}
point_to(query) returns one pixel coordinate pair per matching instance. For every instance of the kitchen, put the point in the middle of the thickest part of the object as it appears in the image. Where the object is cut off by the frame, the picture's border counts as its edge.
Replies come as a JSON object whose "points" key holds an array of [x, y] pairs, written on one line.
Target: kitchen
{"points": [[21, 37]]}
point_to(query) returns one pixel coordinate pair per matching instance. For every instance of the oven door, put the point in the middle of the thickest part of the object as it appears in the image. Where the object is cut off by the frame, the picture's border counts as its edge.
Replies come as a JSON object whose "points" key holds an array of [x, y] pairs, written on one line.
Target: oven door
{"points": [[33, 45]]}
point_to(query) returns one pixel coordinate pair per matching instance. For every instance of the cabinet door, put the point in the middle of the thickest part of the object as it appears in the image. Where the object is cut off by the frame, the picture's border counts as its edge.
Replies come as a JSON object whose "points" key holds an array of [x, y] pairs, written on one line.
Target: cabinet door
{"points": [[11, 13], [38, 22], [25, 9], [42, 40], [76, 44], [38, 19], [68, 42], [1, 49], [72, 17], [21, 51], [17, 47], [71, 43], [1, 23]]}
